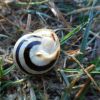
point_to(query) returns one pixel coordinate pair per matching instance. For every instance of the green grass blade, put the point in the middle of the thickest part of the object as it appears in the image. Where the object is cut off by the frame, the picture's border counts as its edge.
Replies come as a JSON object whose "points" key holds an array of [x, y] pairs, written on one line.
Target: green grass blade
{"points": [[65, 79], [65, 96], [2, 35], [10, 83], [75, 30], [86, 33], [79, 71], [1, 69], [6, 71], [31, 3]]}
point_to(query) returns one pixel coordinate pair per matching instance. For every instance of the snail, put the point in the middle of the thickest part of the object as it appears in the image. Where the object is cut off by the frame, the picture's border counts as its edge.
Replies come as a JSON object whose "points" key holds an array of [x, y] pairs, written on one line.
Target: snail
{"points": [[37, 52]]}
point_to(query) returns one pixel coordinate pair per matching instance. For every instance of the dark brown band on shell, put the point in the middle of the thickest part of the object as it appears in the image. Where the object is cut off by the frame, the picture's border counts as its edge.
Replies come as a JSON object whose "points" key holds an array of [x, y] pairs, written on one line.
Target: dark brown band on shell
{"points": [[29, 62]]}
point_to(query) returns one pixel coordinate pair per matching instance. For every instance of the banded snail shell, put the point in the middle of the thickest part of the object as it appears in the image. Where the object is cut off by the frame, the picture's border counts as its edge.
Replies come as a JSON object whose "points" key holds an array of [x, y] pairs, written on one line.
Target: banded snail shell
{"points": [[37, 53]]}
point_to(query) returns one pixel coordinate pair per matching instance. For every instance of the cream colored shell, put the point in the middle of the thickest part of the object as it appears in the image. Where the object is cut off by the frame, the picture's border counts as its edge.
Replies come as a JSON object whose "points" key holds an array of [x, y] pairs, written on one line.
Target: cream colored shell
{"points": [[37, 53]]}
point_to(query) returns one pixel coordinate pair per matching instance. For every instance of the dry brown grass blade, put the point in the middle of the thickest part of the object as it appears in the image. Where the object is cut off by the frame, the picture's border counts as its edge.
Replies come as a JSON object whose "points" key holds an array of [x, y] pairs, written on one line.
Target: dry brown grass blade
{"points": [[74, 42], [6, 19], [28, 23], [88, 69], [86, 72], [58, 14], [28, 18], [82, 89], [10, 22]]}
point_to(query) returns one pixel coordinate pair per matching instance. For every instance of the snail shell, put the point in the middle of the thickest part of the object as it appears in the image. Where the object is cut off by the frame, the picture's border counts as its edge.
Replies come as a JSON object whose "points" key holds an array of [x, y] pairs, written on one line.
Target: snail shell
{"points": [[36, 53]]}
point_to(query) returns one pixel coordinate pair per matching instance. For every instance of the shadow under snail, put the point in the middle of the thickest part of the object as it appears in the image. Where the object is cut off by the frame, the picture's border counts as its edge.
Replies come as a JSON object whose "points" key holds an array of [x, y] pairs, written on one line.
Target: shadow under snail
{"points": [[37, 52]]}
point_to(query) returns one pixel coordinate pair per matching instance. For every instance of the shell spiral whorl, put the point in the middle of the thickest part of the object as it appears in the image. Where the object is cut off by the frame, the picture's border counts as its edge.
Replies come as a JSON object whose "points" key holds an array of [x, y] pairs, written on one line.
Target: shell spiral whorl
{"points": [[36, 53]]}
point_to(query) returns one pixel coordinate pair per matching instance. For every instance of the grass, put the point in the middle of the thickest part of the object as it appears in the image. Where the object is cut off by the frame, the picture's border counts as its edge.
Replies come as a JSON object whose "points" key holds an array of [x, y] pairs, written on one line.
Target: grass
{"points": [[3, 74], [86, 33], [77, 28], [31, 3], [71, 33]]}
